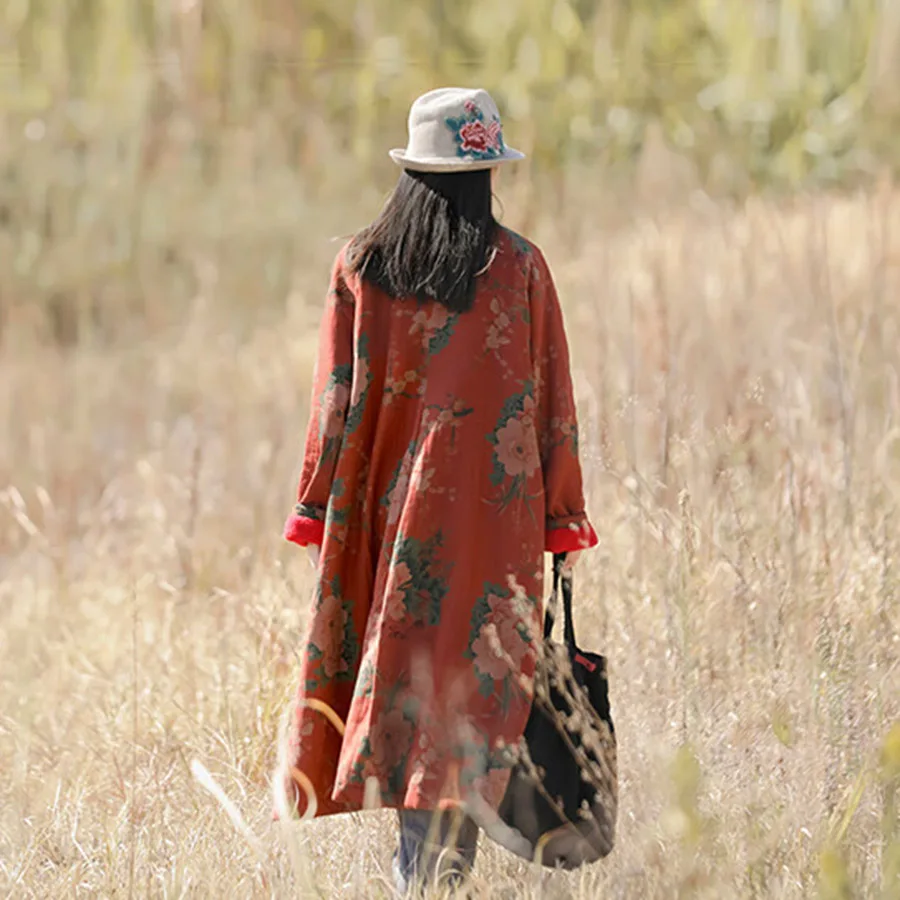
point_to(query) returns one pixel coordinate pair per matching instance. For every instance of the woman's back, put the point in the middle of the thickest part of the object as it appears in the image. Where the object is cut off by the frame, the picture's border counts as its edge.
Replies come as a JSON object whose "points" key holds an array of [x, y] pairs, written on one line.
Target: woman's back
{"points": [[432, 392], [441, 462], [441, 459]]}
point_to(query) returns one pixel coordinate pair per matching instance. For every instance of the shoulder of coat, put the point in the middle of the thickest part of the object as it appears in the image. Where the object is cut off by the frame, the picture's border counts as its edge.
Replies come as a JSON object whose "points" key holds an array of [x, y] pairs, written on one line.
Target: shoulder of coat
{"points": [[520, 245], [344, 285]]}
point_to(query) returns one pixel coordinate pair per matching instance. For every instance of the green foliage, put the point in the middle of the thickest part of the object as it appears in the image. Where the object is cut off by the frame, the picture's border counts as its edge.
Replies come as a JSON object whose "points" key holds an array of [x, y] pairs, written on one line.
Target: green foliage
{"points": [[788, 88], [835, 879], [139, 139], [890, 786]]}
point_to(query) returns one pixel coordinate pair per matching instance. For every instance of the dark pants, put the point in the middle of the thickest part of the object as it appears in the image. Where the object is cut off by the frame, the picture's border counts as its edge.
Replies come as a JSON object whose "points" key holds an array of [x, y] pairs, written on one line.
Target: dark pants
{"points": [[434, 847]]}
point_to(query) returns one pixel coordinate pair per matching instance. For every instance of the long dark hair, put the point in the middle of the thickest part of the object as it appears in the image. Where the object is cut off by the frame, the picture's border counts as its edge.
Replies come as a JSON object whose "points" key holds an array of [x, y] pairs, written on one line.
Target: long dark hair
{"points": [[431, 240]]}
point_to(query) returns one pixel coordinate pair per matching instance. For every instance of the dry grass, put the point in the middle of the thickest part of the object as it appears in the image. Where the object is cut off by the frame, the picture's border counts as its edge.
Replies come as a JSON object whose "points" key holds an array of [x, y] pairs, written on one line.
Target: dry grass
{"points": [[739, 388]]}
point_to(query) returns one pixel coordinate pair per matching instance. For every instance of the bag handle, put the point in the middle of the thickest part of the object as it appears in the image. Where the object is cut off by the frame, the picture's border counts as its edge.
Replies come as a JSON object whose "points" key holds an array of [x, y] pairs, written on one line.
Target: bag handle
{"points": [[561, 577]]}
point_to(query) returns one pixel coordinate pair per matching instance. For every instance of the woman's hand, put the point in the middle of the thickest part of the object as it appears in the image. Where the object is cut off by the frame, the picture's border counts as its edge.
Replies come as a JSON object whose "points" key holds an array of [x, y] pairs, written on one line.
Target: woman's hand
{"points": [[312, 551], [570, 561]]}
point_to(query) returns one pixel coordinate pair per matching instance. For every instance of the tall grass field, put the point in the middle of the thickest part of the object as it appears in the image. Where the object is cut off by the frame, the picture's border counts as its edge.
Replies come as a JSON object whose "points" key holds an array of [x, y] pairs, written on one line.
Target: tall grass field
{"points": [[713, 186]]}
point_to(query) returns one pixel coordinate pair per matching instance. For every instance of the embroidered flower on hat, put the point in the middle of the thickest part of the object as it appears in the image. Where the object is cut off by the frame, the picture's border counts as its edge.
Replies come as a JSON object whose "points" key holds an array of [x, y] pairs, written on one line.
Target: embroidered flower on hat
{"points": [[475, 138]]}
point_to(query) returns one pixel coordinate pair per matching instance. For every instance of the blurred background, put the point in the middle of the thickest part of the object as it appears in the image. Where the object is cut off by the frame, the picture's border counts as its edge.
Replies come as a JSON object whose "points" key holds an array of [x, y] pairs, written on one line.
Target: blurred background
{"points": [[144, 139], [712, 182]]}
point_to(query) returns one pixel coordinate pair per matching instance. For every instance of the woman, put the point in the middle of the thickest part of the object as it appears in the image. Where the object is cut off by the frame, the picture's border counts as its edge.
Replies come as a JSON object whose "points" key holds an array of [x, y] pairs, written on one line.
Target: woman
{"points": [[441, 462]]}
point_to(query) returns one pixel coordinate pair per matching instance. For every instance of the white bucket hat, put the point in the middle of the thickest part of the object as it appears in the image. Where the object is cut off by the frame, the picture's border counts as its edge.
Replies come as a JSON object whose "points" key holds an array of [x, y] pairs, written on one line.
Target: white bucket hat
{"points": [[454, 130]]}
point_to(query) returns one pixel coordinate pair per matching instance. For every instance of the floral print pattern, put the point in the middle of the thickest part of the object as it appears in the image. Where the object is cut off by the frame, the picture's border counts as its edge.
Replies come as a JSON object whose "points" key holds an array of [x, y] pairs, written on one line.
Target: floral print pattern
{"points": [[475, 137], [516, 454], [333, 410], [435, 327], [360, 382], [420, 578], [333, 644], [500, 643], [440, 462]]}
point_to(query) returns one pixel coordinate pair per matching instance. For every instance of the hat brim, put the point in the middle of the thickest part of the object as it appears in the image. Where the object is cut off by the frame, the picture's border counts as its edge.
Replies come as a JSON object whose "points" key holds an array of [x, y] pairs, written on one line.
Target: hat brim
{"points": [[453, 164]]}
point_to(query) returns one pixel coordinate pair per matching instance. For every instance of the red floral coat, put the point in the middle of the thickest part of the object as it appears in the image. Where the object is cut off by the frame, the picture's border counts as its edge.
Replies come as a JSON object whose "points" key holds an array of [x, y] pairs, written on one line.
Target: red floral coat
{"points": [[441, 462]]}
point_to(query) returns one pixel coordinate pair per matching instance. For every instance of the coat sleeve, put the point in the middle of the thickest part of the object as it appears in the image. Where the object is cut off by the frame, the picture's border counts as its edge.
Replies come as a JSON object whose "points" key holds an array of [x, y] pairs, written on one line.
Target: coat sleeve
{"points": [[567, 528], [330, 400]]}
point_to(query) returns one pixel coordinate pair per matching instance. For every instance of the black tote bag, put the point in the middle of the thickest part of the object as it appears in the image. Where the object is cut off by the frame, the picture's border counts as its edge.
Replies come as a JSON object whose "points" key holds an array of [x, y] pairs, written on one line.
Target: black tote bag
{"points": [[563, 792]]}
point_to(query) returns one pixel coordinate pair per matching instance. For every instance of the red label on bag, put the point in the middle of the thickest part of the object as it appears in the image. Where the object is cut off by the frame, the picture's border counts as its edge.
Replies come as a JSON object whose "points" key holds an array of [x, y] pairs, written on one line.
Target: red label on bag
{"points": [[585, 662]]}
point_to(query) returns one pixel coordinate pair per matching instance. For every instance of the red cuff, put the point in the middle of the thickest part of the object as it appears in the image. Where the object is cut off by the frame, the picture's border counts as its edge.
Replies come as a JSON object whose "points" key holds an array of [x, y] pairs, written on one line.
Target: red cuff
{"points": [[570, 540], [304, 531]]}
